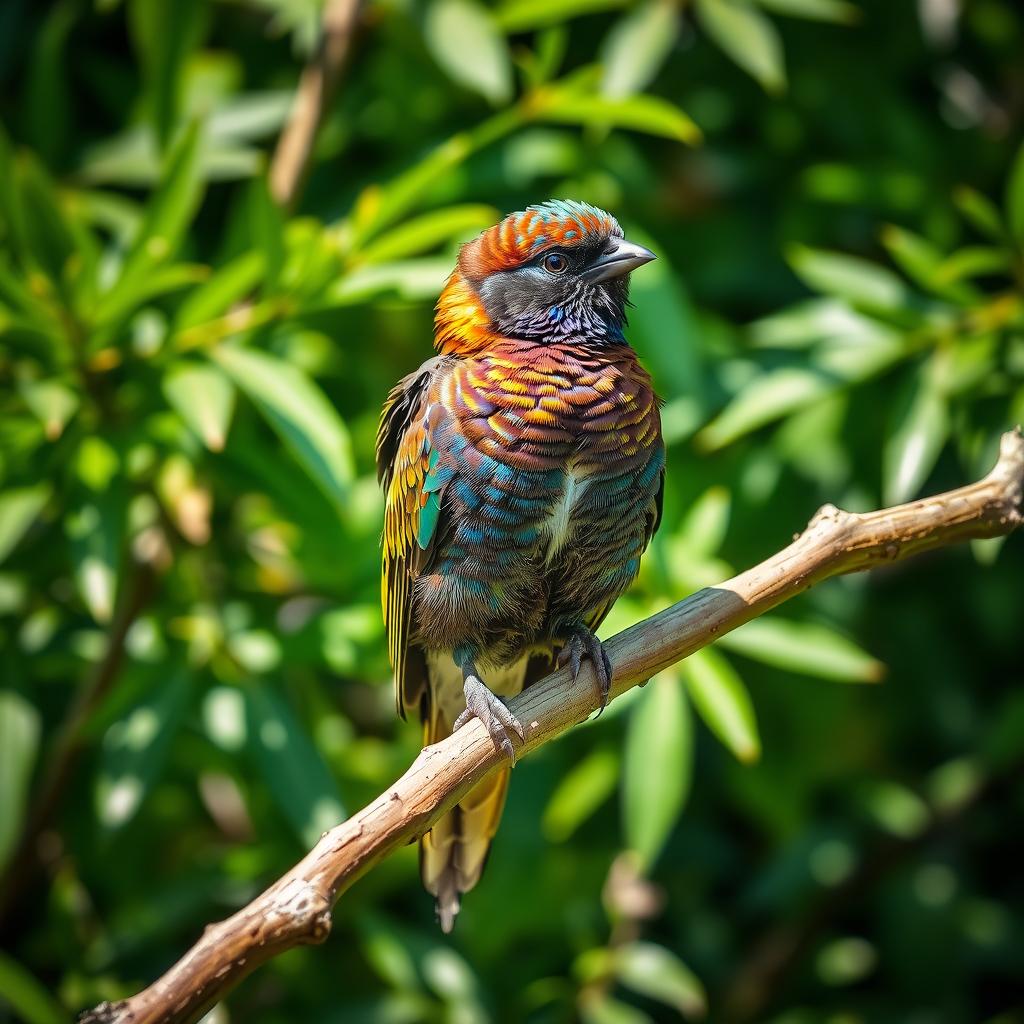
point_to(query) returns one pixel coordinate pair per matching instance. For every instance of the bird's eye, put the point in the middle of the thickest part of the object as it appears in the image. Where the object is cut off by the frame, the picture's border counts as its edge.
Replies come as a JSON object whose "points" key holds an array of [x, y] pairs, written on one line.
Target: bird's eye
{"points": [[555, 263]]}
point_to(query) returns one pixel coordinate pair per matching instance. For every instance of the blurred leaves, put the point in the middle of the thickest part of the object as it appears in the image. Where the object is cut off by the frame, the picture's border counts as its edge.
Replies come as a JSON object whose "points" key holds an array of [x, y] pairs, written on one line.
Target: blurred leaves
{"points": [[298, 411], [19, 741], [657, 765], [466, 42], [19, 509], [747, 37]]}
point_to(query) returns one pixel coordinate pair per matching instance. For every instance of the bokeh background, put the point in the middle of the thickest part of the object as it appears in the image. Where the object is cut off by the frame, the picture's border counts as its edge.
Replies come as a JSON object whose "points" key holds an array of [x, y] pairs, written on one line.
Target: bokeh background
{"points": [[194, 679]]}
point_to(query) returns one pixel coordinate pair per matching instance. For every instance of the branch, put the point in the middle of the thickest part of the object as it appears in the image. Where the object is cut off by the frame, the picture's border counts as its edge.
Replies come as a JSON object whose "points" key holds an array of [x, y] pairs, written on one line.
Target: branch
{"points": [[297, 908], [316, 87]]}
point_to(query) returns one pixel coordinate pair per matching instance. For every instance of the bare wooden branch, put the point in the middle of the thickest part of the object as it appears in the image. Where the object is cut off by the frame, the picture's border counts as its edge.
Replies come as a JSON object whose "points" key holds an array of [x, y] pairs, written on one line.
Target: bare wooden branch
{"points": [[297, 908], [316, 87]]}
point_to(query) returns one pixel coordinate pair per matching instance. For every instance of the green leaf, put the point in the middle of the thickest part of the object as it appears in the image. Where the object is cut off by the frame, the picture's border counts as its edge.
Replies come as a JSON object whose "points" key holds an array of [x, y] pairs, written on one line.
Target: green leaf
{"points": [[267, 224], [19, 509], [52, 403], [47, 102], [1015, 197], [204, 398], [94, 529], [637, 47], [658, 766], [421, 234], [596, 1006], [980, 212], [135, 750], [298, 410], [703, 529], [768, 398], [642, 113], [167, 216], [292, 768], [219, 292], [523, 15], [747, 37], [463, 38], [919, 430], [721, 699], [19, 744], [657, 973], [849, 277], [30, 1001], [804, 647], [580, 793], [839, 11], [164, 35]]}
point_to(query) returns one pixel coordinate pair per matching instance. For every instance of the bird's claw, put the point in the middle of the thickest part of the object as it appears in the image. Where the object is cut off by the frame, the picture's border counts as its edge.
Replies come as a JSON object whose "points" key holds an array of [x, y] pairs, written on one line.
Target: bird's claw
{"points": [[584, 641], [493, 712]]}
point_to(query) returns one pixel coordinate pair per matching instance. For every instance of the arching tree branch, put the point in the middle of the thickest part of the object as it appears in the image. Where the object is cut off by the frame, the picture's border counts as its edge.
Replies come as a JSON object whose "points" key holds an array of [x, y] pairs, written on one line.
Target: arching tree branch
{"points": [[297, 908]]}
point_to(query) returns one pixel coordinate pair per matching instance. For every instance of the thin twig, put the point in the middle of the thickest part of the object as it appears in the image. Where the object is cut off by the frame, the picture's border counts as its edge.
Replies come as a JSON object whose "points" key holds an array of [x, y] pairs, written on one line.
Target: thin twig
{"points": [[296, 909], [316, 87]]}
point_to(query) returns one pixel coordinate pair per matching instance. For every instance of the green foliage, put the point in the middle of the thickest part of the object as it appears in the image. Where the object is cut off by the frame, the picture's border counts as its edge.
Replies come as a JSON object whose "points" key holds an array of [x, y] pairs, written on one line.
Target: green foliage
{"points": [[836, 194]]}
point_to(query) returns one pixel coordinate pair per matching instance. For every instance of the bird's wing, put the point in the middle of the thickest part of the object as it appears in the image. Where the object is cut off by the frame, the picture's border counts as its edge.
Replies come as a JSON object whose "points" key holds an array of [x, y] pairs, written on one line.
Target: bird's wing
{"points": [[413, 475]]}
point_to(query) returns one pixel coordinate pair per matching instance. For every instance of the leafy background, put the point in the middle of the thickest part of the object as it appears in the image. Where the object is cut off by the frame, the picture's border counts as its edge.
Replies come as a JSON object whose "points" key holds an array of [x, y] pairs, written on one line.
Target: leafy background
{"points": [[191, 384]]}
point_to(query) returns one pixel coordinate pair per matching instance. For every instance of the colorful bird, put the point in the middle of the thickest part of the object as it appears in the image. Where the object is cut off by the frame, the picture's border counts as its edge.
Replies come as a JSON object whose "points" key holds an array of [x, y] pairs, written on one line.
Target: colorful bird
{"points": [[523, 469]]}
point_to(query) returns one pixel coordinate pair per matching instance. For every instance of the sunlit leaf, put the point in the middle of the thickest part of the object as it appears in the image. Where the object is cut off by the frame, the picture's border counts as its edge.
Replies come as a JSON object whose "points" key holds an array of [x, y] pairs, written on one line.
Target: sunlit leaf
{"points": [[95, 529], [707, 519], [747, 37], [848, 277], [919, 428], [641, 113], [580, 793], [52, 402], [980, 212], [19, 509], [426, 232], [839, 11], [204, 398], [657, 767], [1015, 197], [292, 768], [466, 42], [19, 743], [637, 46], [804, 647], [298, 410], [135, 750], [657, 973], [220, 291], [596, 1006], [721, 699], [522, 15]]}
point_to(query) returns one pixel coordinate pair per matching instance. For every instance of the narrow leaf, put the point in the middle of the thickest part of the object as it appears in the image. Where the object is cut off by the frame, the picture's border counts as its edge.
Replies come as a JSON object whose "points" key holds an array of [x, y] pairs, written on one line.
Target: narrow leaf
{"points": [[580, 793], [27, 996], [747, 37], [637, 47], [19, 744], [804, 647], [658, 766], [848, 277], [204, 398], [523, 15], [657, 973], [426, 232], [1015, 197], [299, 781], [135, 750], [19, 509], [919, 431], [298, 410], [839, 11], [642, 113], [721, 699], [465, 41]]}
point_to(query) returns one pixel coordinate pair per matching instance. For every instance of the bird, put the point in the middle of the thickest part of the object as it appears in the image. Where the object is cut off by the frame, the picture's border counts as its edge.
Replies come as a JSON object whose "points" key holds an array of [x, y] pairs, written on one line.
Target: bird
{"points": [[523, 470]]}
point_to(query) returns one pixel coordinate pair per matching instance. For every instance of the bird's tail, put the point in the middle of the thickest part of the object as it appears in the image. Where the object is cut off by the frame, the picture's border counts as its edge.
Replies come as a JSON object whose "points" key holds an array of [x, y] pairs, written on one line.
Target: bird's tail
{"points": [[454, 851]]}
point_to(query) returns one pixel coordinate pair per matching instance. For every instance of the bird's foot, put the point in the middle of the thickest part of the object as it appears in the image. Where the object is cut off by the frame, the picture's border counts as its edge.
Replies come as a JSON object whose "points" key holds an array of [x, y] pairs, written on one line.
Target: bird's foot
{"points": [[584, 641], [492, 711]]}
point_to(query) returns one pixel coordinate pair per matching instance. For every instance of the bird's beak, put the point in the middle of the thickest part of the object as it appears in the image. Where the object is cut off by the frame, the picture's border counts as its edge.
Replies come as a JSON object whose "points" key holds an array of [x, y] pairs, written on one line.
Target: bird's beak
{"points": [[618, 258]]}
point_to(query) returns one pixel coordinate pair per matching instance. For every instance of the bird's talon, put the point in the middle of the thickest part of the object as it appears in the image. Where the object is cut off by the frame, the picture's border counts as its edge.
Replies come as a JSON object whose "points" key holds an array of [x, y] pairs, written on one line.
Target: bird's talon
{"points": [[584, 641], [493, 712]]}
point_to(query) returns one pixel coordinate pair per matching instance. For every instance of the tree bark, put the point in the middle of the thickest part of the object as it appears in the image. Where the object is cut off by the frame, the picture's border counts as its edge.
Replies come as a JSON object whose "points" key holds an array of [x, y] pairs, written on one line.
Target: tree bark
{"points": [[297, 908]]}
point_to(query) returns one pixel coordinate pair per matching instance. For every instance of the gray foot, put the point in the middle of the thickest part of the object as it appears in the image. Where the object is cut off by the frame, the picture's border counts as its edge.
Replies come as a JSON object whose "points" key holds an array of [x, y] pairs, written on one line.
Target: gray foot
{"points": [[583, 641], [492, 711]]}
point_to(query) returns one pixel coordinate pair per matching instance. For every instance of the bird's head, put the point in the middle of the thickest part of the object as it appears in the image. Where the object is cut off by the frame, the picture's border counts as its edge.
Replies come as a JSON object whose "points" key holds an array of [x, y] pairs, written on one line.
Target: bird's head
{"points": [[558, 271]]}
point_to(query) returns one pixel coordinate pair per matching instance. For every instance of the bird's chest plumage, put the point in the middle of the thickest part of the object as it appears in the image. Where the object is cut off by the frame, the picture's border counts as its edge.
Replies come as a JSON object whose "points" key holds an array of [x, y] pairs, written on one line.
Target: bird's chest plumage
{"points": [[555, 461]]}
